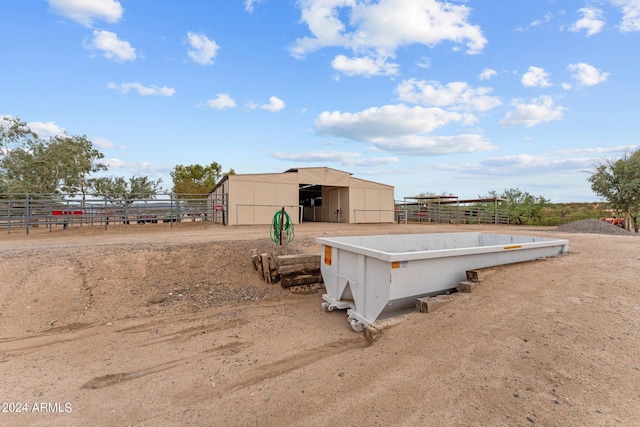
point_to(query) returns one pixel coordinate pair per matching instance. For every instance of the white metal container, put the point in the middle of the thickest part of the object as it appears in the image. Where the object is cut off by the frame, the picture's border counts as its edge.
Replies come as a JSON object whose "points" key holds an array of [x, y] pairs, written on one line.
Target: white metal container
{"points": [[375, 277]]}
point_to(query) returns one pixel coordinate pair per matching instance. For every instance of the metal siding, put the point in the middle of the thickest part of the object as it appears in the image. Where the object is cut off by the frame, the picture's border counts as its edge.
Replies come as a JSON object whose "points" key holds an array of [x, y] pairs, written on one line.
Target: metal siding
{"points": [[357, 183], [372, 203], [243, 191], [269, 177], [311, 176], [387, 200], [332, 198], [337, 178], [288, 197], [243, 177], [288, 178], [344, 204], [357, 203], [265, 193]]}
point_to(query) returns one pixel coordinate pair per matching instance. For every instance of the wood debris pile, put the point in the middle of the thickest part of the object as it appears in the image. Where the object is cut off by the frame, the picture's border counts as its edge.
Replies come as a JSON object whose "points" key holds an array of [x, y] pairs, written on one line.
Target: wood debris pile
{"points": [[298, 273]]}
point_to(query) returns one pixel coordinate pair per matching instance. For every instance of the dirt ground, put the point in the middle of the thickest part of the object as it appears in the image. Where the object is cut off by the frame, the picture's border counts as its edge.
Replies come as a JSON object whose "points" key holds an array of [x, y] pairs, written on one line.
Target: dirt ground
{"points": [[148, 325]]}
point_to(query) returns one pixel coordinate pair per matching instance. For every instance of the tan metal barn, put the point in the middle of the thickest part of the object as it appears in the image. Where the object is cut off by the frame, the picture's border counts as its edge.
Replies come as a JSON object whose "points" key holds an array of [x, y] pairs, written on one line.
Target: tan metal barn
{"points": [[308, 194]]}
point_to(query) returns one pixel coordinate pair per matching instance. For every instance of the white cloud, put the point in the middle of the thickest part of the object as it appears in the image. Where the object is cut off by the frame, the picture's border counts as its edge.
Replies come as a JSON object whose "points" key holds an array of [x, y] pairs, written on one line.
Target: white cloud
{"points": [[587, 75], [600, 150], [488, 73], [519, 166], [275, 104], [142, 90], [114, 163], [401, 129], [457, 95], [202, 51], [535, 77], [538, 111], [342, 157], [547, 18], [630, 14], [248, 4], [388, 121], [421, 145], [364, 66], [591, 21], [137, 168], [376, 29], [221, 102], [525, 164], [104, 143], [45, 130], [424, 62], [85, 12], [111, 47]]}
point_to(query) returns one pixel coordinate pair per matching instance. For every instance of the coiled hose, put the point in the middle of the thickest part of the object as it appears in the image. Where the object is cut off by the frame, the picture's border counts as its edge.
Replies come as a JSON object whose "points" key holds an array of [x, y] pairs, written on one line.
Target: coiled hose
{"points": [[287, 227]]}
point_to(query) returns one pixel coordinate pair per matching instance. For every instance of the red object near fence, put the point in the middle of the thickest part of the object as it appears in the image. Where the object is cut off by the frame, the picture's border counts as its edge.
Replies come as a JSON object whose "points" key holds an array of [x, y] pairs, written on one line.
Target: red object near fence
{"points": [[58, 213]]}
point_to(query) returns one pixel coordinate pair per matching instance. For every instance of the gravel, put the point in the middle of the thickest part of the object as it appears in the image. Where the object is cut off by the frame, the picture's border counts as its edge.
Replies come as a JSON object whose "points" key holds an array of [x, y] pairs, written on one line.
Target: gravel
{"points": [[593, 226]]}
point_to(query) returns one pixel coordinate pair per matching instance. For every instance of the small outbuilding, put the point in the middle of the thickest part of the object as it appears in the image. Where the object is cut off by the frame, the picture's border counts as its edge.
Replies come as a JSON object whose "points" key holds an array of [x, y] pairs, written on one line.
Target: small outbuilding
{"points": [[307, 194]]}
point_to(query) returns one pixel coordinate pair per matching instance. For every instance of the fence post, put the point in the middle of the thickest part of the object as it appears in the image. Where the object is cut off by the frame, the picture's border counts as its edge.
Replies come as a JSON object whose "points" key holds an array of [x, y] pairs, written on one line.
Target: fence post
{"points": [[9, 215], [28, 213], [106, 214]]}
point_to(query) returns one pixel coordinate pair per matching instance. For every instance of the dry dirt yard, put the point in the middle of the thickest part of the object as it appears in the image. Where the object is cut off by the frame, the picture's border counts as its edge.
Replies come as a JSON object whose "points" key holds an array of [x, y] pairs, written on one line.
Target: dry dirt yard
{"points": [[84, 340]]}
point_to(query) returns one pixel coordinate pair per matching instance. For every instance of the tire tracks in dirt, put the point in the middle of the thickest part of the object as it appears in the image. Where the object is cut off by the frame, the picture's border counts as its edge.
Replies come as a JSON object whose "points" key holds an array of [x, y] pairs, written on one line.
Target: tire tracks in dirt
{"points": [[41, 340], [280, 367], [192, 332], [113, 379], [22, 345]]}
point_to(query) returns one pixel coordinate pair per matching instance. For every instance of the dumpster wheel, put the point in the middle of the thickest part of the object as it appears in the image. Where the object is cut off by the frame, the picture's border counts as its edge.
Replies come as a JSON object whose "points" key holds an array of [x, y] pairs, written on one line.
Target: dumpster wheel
{"points": [[356, 326], [327, 306]]}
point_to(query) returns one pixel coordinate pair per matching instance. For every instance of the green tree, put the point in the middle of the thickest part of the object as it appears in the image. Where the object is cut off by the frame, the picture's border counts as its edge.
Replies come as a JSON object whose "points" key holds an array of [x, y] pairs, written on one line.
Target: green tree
{"points": [[32, 165], [124, 192], [618, 181], [523, 207], [14, 134], [196, 179]]}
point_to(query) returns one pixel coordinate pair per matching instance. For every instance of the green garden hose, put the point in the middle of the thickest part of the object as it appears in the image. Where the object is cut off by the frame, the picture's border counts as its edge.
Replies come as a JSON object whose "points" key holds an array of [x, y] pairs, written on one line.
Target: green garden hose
{"points": [[287, 227]]}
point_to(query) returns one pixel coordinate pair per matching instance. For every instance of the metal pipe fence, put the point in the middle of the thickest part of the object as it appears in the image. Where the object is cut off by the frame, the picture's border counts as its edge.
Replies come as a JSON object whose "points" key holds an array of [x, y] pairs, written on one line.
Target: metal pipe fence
{"points": [[27, 211], [452, 214]]}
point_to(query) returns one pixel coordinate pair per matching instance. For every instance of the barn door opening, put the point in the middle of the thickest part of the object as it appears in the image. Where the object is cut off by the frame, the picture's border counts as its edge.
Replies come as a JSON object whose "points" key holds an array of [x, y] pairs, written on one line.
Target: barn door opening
{"points": [[310, 196]]}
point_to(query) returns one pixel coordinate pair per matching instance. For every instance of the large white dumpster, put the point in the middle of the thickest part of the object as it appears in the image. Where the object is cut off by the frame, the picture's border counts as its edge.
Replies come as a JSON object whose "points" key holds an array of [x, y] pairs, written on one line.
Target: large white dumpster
{"points": [[375, 277]]}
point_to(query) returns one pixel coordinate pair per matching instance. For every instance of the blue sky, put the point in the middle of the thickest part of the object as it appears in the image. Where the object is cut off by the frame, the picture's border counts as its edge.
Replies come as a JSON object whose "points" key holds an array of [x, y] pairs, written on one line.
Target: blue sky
{"points": [[461, 97]]}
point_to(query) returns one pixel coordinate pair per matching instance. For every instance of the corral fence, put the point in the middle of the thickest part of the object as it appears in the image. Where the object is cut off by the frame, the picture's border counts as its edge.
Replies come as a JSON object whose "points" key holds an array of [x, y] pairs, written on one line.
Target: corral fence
{"points": [[450, 210], [27, 211]]}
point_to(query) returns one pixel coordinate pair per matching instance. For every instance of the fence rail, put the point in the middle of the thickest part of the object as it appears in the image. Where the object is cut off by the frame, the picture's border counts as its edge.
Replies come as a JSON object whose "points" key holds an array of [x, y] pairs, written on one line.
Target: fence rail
{"points": [[40, 210], [451, 214]]}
